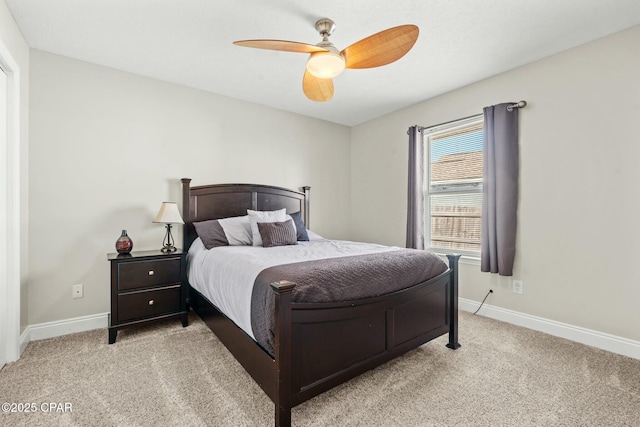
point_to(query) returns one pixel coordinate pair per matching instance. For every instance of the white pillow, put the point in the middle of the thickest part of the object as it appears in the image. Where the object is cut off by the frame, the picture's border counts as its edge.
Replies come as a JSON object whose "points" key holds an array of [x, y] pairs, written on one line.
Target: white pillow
{"points": [[237, 229], [263, 216]]}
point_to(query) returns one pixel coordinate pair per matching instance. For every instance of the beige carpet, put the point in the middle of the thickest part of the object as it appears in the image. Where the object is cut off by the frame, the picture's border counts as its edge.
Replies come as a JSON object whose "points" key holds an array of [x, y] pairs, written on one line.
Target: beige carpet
{"points": [[166, 375]]}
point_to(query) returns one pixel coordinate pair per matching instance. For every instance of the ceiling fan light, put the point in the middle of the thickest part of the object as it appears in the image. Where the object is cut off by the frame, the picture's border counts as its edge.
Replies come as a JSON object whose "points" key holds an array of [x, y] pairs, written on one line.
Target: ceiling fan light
{"points": [[325, 65]]}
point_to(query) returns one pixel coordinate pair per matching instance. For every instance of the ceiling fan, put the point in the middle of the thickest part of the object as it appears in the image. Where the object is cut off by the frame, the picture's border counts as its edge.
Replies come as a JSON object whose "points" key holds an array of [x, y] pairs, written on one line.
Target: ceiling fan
{"points": [[326, 62]]}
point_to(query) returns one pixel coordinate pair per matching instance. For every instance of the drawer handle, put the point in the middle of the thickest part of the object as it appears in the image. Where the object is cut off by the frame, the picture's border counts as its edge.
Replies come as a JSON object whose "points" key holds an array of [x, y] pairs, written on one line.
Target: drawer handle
{"points": [[150, 302], [151, 273]]}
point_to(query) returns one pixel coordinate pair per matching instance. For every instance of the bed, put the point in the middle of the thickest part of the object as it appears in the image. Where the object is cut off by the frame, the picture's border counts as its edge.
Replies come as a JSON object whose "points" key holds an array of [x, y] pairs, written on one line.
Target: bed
{"points": [[316, 345]]}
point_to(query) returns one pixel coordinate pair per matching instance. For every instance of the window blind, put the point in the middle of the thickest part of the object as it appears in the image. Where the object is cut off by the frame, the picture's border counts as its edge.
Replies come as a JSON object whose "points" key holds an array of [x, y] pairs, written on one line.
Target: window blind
{"points": [[454, 187]]}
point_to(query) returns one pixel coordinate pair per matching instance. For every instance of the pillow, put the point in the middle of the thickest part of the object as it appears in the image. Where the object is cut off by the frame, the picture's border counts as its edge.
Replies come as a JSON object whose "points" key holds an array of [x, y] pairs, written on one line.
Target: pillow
{"points": [[234, 231], [301, 231], [277, 233], [263, 216]]}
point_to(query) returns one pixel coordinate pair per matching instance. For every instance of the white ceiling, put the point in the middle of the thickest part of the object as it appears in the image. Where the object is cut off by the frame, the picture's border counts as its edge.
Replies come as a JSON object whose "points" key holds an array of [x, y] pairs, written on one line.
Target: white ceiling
{"points": [[189, 42]]}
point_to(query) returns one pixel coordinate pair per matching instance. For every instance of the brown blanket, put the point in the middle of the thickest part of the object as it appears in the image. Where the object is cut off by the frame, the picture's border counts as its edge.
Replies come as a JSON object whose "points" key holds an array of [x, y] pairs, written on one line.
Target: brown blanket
{"points": [[339, 279]]}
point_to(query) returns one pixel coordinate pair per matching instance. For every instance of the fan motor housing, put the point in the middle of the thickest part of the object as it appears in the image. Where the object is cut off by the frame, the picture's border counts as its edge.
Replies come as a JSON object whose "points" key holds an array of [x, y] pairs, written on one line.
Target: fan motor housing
{"points": [[325, 26]]}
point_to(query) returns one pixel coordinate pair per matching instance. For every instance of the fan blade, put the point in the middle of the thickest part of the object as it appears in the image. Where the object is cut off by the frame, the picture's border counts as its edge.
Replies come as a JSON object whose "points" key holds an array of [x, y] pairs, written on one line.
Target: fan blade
{"points": [[381, 48], [287, 46], [316, 89]]}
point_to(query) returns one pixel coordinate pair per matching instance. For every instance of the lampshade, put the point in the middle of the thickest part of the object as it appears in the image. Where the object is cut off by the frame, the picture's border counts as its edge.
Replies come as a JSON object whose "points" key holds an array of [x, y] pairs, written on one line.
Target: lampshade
{"points": [[169, 214], [325, 65]]}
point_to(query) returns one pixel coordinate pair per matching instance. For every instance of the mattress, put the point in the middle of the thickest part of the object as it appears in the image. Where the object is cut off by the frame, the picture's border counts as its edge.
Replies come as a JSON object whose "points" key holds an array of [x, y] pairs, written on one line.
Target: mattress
{"points": [[236, 278]]}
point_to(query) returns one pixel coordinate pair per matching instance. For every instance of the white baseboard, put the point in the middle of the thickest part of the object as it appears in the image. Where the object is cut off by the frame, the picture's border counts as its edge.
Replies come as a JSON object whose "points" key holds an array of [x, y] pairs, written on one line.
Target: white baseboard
{"points": [[58, 328], [600, 340], [590, 337]]}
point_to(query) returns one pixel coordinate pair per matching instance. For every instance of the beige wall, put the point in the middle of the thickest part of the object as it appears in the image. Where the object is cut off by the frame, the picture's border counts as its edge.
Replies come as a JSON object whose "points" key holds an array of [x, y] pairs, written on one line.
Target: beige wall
{"points": [[14, 56], [107, 147], [577, 243]]}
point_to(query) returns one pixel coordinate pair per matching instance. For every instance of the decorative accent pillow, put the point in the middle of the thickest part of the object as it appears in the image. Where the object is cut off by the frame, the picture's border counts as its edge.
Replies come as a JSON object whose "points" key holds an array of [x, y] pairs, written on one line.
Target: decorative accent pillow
{"points": [[263, 216], [277, 233], [301, 231], [234, 231]]}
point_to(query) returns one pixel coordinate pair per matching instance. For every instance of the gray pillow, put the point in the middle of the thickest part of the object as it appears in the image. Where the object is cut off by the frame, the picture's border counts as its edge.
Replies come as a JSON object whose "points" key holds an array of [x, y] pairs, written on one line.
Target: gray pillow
{"points": [[211, 234], [277, 233], [300, 228], [234, 231]]}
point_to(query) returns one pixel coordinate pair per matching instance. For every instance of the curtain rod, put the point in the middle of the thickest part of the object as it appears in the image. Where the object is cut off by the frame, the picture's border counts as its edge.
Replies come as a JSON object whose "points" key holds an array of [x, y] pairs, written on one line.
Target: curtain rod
{"points": [[520, 104], [510, 107], [421, 128]]}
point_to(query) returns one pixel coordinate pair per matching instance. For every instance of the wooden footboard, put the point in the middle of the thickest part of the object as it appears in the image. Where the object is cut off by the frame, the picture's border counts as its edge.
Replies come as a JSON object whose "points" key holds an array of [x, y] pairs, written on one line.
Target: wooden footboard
{"points": [[319, 346]]}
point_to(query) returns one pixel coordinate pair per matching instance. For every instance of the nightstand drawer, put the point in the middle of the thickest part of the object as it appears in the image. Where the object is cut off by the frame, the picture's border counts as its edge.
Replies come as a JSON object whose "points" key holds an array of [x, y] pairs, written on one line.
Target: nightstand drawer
{"points": [[142, 274], [139, 305]]}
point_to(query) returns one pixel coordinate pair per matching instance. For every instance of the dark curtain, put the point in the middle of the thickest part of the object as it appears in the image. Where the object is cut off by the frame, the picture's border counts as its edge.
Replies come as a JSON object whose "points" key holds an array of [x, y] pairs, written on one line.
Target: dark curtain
{"points": [[415, 199], [500, 190]]}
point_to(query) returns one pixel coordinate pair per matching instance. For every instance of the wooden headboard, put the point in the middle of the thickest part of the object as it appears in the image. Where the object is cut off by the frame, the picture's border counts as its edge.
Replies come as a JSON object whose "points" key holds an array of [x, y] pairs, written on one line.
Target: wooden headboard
{"points": [[227, 200]]}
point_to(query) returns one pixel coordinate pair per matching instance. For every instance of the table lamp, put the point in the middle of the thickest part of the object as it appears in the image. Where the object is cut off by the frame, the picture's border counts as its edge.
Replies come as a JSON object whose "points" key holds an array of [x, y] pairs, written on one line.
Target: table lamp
{"points": [[168, 215]]}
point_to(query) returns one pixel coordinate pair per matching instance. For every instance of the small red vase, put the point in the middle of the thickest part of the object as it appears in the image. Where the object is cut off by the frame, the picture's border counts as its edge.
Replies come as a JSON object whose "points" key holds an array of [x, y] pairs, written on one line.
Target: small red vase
{"points": [[124, 244]]}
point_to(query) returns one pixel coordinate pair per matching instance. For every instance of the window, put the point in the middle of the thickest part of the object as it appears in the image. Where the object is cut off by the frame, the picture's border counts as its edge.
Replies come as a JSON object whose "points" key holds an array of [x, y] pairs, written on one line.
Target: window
{"points": [[453, 187]]}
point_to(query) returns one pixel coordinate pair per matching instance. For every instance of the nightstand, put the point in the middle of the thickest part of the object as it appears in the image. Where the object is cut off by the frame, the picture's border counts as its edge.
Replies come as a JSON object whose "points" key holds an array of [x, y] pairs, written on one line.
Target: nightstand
{"points": [[146, 286]]}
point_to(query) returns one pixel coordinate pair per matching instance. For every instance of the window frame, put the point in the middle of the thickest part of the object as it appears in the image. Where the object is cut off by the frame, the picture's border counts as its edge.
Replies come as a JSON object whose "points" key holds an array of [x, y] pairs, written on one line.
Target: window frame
{"points": [[473, 188]]}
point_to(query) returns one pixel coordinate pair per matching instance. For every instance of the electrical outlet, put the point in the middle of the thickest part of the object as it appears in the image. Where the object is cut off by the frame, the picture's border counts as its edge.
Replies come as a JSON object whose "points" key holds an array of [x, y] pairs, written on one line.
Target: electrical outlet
{"points": [[517, 286], [77, 291]]}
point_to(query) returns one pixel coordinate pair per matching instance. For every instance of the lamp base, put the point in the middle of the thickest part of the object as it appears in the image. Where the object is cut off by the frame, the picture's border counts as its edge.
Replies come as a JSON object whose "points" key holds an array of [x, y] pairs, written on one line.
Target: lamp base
{"points": [[168, 242]]}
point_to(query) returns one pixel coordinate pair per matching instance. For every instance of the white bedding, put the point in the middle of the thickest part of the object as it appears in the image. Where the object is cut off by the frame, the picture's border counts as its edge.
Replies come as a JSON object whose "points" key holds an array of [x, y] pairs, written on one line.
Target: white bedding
{"points": [[225, 275]]}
